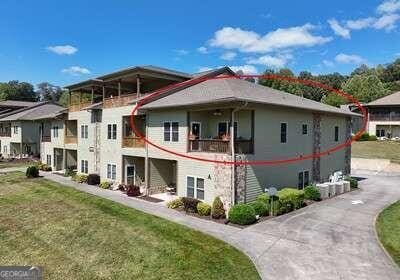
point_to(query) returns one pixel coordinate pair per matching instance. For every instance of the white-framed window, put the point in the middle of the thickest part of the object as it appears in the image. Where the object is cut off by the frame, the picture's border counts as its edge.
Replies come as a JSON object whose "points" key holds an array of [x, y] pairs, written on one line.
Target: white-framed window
{"points": [[283, 132], [84, 131], [111, 131], [171, 131], [336, 133], [111, 171], [84, 166], [55, 131], [195, 187], [304, 179], [48, 160], [380, 133], [224, 129], [304, 129], [15, 128]]}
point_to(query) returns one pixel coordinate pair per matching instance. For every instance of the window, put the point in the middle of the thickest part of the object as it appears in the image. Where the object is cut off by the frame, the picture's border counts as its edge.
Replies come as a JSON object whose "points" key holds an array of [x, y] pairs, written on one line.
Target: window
{"points": [[304, 179], [195, 187], [336, 133], [223, 129], [84, 131], [84, 166], [304, 129], [112, 131], [48, 160], [5, 149], [171, 131], [55, 131], [380, 133], [15, 129], [283, 132], [111, 171]]}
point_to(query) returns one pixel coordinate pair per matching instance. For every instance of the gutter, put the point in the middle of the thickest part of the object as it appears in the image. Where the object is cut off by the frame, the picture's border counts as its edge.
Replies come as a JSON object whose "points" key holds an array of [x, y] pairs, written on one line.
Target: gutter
{"points": [[232, 140]]}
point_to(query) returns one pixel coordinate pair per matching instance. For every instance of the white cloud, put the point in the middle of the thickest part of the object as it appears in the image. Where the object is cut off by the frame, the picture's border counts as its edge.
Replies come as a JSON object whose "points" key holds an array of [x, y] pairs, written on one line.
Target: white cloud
{"points": [[390, 6], [181, 52], [328, 63], [387, 22], [228, 55], [62, 50], [76, 71], [250, 41], [360, 23], [204, 69], [271, 61], [247, 69], [338, 29], [349, 59], [202, 50]]}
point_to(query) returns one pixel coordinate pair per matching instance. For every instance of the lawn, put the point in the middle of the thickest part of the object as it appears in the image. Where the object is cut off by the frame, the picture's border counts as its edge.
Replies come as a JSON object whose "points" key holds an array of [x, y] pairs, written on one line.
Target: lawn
{"points": [[75, 235], [8, 164], [377, 149], [388, 228]]}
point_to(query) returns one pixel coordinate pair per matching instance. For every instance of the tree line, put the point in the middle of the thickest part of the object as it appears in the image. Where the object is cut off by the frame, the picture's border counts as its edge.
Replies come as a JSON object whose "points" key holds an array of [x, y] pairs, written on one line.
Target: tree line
{"points": [[364, 83]]}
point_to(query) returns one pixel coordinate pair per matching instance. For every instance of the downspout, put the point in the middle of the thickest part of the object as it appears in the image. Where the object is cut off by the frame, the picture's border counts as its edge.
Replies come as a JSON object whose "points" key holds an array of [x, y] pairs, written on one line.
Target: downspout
{"points": [[232, 132]]}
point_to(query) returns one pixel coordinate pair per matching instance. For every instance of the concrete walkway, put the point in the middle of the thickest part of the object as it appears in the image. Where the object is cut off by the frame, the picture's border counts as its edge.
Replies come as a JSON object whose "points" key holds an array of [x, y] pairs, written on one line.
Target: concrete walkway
{"points": [[333, 239]]}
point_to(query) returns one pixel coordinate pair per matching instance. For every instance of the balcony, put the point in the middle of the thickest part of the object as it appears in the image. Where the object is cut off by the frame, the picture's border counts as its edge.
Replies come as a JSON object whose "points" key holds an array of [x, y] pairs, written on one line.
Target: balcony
{"points": [[119, 101], [79, 106], [220, 146], [132, 142], [5, 134], [384, 117], [46, 138], [70, 139], [129, 138]]}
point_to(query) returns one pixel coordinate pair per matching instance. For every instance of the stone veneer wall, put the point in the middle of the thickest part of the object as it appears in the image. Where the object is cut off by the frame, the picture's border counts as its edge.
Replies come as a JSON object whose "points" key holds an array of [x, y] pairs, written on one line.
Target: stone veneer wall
{"points": [[347, 155], [222, 180], [240, 180], [316, 163]]}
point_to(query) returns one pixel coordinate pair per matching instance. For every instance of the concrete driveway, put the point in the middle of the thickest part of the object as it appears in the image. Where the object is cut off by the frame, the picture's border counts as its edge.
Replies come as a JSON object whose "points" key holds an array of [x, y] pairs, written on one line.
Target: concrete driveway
{"points": [[333, 239]]}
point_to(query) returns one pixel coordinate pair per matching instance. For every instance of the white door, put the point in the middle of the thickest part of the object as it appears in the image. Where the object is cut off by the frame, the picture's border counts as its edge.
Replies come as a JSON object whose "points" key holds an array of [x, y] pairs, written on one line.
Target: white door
{"points": [[130, 174]]}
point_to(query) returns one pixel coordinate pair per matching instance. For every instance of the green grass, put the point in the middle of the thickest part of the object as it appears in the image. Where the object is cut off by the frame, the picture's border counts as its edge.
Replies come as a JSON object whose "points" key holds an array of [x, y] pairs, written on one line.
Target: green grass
{"points": [[4, 164], [388, 228], [75, 235], [376, 149]]}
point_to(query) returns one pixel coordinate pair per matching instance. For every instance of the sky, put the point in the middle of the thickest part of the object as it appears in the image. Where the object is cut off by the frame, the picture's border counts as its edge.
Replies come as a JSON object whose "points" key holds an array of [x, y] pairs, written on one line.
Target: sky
{"points": [[63, 42]]}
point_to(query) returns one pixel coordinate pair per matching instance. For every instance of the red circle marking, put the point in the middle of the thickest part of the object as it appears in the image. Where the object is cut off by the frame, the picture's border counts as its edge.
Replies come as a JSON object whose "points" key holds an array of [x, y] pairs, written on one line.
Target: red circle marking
{"points": [[156, 93]]}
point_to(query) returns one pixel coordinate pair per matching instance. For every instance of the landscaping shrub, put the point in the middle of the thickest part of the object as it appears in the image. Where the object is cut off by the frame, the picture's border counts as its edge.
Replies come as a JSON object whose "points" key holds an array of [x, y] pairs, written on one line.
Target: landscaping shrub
{"points": [[312, 193], [203, 209], [93, 179], [290, 199], [80, 178], [353, 182], [190, 204], [176, 203], [132, 190], [217, 209], [242, 214], [364, 137], [46, 167], [372, 138], [264, 197], [105, 185], [69, 172], [260, 208], [32, 172]]}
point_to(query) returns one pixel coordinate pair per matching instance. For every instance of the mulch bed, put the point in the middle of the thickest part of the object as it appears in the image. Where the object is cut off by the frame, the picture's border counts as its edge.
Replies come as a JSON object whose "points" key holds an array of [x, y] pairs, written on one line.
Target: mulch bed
{"points": [[150, 199]]}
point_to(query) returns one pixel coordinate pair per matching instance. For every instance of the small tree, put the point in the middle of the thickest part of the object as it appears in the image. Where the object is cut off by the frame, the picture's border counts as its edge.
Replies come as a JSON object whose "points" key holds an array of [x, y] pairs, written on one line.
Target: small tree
{"points": [[217, 209]]}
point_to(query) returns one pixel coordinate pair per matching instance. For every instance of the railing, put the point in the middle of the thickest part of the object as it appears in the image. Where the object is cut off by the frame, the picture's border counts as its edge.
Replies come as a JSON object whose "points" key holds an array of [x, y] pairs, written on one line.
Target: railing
{"points": [[46, 138], [209, 146], [5, 134], [132, 142], [244, 146], [70, 139], [79, 106], [118, 101], [384, 117]]}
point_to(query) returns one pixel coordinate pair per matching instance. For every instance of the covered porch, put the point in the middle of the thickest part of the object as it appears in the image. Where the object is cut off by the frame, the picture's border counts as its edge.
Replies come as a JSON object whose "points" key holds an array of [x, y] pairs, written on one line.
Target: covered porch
{"points": [[65, 159], [210, 131], [71, 132], [129, 138]]}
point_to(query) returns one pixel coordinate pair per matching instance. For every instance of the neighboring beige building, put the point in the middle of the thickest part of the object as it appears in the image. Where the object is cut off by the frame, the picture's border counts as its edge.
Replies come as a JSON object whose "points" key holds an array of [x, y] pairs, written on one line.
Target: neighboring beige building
{"points": [[225, 119]]}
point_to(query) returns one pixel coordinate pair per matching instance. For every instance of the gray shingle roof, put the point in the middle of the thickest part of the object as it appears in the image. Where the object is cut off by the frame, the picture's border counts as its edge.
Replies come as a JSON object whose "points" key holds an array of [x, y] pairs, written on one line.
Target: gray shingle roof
{"points": [[232, 89], [389, 100], [17, 103], [43, 111]]}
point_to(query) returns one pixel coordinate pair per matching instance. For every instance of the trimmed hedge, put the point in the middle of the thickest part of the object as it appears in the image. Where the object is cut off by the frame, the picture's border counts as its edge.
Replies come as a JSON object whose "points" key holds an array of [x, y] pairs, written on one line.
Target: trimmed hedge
{"points": [[190, 204], [217, 209], [32, 172], [93, 179], [290, 199], [242, 214], [203, 209], [312, 193], [176, 203], [80, 178], [260, 208]]}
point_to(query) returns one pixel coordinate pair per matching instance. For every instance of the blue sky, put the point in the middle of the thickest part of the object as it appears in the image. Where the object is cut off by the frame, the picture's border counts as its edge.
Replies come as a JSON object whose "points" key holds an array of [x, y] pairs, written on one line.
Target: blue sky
{"points": [[63, 42]]}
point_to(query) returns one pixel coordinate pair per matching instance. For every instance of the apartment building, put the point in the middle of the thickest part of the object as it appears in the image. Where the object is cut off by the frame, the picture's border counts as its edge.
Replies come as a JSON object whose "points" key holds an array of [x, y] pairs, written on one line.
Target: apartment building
{"points": [[20, 126], [225, 119]]}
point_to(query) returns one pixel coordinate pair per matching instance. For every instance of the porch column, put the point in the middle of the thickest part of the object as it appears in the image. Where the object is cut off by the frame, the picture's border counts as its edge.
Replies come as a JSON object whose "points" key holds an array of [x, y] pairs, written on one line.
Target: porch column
{"points": [[316, 161], [138, 86], [64, 164], [69, 98], [80, 99], [21, 149], [104, 92], [119, 88], [92, 94]]}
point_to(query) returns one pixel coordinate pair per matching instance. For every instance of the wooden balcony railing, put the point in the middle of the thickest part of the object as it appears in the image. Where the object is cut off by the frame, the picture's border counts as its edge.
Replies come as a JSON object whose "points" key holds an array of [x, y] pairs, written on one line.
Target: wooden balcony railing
{"points": [[132, 142], [220, 146], [70, 139], [79, 106], [46, 138], [384, 117], [5, 134], [116, 101]]}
